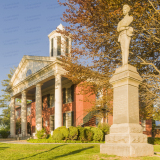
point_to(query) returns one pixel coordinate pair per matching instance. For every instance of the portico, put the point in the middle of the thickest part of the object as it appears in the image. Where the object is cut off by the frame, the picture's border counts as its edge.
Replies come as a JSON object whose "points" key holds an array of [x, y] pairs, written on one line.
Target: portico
{"points": [[37, 82]]}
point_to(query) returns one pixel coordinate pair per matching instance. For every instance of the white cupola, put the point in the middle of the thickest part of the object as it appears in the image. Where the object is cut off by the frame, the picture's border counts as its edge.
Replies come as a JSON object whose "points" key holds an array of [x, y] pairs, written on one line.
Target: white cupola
{"points": [[59, 44]]}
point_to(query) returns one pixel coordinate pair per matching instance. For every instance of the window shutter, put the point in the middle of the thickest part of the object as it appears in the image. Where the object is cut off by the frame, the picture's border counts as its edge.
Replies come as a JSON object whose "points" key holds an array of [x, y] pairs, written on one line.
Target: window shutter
{"points": [[42, 102], [64, 119], [72, 93], [52, 123], [58, 45], [64, 95], [72, 117], [48, 100], [68, 95]]}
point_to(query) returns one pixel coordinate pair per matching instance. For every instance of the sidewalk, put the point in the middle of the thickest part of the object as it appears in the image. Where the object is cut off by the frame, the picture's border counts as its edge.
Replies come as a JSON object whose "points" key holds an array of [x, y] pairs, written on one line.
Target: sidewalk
{"points": [[13, 141]]}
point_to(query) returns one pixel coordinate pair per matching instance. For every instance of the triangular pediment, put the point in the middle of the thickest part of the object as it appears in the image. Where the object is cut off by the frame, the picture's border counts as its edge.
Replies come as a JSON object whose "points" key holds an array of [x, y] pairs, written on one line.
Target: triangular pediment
{"points": [[28, 66]]}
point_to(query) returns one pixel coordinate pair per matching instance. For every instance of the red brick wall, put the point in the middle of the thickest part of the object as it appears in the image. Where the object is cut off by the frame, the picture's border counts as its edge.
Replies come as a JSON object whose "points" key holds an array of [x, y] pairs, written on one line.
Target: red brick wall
{"points": [[78, 106], [110, 119]]}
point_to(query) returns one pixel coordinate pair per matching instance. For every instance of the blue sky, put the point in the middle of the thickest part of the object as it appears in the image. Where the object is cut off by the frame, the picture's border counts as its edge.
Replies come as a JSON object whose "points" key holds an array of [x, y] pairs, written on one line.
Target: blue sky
{"points": [[24, 30]]}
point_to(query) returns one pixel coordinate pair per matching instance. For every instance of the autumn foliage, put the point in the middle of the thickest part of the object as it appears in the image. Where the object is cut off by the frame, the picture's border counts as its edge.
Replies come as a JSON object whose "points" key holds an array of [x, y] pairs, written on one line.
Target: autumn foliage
{"points": [[96, 52]]}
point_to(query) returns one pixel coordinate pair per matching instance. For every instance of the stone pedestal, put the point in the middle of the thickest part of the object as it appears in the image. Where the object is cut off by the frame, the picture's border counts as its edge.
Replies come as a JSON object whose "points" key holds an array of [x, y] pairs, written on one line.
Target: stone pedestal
{"points": [[126, 137]]}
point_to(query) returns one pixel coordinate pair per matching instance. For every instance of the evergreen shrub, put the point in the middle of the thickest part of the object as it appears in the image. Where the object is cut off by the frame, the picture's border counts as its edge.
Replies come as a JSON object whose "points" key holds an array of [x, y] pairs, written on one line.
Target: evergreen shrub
{"points": [[104, 127], [98, 134], [81, 133], [89, 134], [65, 132], [4, 132], [73, 133], [151, 140], [57, 135], [41, 134]]}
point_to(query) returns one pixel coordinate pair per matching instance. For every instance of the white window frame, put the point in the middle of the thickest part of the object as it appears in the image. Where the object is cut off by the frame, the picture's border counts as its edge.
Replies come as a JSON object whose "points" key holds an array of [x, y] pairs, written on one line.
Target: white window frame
{"points": [[143, 124]]}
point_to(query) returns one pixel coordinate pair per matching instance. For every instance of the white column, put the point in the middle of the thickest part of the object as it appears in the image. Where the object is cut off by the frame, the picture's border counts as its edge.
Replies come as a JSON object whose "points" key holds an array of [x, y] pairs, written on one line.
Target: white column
{"points": [[55, 46], [24, 114], [38, 107], [58, 101], [63, 45], [50, 40], [12, 117], [70, 46]]}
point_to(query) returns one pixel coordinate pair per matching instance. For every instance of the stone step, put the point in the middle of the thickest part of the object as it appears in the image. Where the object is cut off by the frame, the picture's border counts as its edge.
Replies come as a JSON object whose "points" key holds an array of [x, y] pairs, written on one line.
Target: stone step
{"points": [[24, 138], [126, 138]]}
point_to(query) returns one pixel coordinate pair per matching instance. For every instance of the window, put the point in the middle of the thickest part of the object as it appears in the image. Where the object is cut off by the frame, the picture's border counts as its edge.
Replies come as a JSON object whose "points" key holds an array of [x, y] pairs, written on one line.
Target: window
{"points": [[68, 119], [72, 93], [58, 45], [69, 95], [29, 72], [46, 100], [98, 95], [67, 45], [98, 120], [52, 100], [52, 46], [64, 95], [64, 119]]}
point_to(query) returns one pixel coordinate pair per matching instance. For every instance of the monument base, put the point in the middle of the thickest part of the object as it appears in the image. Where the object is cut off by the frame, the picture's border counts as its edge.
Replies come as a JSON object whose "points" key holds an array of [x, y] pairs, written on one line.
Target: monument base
{"points": [[127, 150], [126, 137]]}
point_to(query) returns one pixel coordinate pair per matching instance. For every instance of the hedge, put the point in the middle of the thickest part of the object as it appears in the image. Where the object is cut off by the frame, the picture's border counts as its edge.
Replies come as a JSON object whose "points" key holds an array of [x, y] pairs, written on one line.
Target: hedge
{"points": [[155, 141], [81, 134], [41, 134], [4, 133]]}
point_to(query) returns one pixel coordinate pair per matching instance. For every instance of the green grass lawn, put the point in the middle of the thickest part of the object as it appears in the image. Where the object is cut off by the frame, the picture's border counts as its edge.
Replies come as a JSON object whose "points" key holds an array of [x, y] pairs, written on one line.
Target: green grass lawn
{"points": [[59, 151]]}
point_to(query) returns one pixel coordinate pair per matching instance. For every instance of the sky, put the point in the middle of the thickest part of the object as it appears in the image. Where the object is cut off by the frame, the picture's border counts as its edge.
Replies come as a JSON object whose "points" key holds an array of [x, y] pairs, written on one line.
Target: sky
{"points": [[24, 30]]}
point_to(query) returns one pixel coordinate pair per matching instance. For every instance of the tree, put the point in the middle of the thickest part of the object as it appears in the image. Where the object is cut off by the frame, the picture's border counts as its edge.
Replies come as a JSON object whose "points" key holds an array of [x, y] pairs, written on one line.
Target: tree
{"points": [[5, 100], [5, 118], [96, 52]]}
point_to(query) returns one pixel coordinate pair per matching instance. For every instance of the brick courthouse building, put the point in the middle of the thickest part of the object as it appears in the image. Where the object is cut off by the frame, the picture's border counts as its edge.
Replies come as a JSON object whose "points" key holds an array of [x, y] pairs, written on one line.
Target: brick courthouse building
{"points": [[55, 99]]}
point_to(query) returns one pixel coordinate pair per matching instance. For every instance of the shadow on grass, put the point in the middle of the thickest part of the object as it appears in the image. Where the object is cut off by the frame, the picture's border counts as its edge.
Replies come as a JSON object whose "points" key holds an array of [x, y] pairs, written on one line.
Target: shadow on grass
{"points": [[73, 152], [2, 148], [42, 152]]}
